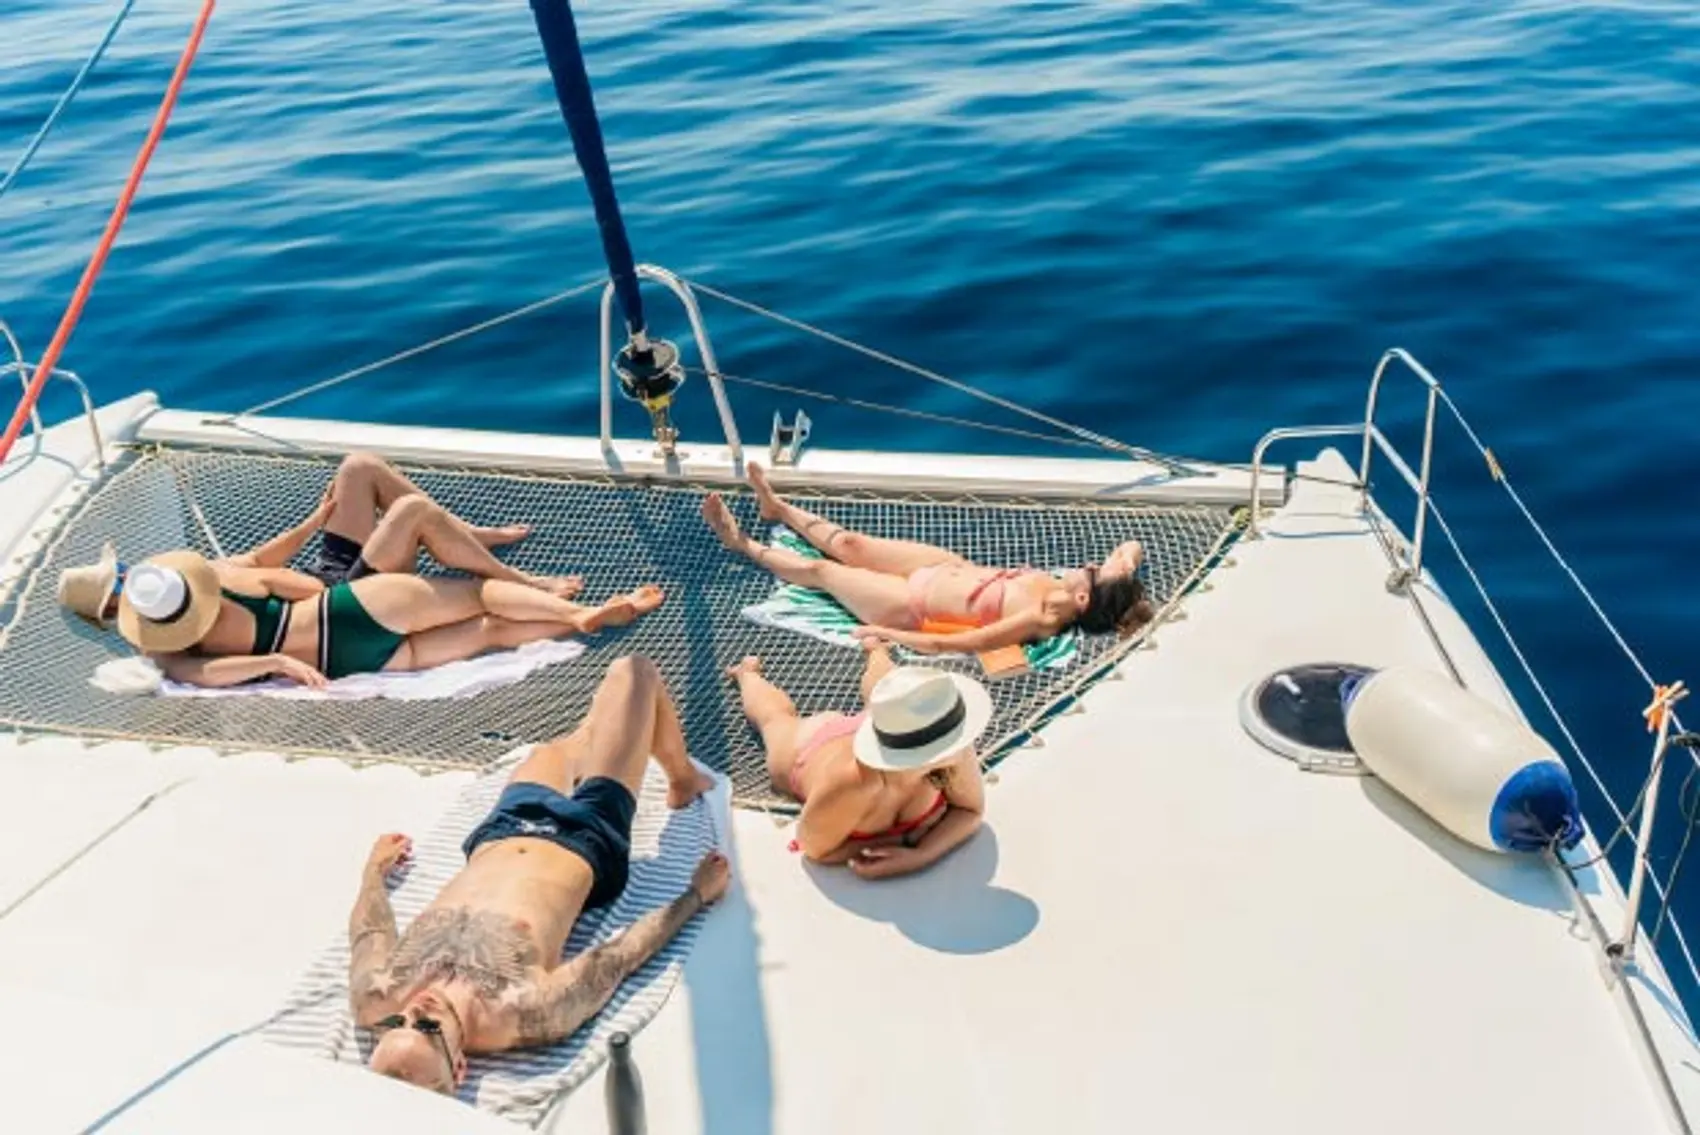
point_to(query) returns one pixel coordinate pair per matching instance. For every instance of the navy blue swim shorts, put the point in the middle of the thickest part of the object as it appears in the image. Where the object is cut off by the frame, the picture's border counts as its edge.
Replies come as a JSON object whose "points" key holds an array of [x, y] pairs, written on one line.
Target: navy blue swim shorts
{"points": [[340, 560], [594, 823]]}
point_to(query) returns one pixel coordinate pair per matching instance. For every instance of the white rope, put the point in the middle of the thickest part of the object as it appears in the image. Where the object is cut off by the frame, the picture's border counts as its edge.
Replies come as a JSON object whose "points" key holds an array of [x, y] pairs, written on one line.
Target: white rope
{"points": [[1078, 434], [411, 352], [1523, 661], [59, 108], [1504, 480], [898, 411], [1552, 549], [1546, 700], [188, 491], [1110, 443]]}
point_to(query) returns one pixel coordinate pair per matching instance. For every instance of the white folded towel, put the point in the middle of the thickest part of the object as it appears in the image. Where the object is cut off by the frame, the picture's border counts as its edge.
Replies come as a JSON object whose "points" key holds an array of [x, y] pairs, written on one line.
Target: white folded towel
{"points": [[453, 680]]}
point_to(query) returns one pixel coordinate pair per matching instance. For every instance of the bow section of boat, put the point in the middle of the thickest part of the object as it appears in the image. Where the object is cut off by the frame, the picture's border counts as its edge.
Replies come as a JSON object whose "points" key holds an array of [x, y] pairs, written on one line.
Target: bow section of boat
{"points": [[1163, 925]]}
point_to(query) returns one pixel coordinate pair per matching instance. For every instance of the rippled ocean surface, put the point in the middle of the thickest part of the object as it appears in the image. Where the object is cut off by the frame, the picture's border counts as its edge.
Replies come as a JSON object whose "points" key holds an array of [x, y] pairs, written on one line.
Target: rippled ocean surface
{"points": [[1181, 223]]}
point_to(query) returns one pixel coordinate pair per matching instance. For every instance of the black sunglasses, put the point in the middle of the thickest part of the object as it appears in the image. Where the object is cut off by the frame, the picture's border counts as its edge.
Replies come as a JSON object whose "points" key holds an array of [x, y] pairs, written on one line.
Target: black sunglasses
{"points": [[430, 1026]]}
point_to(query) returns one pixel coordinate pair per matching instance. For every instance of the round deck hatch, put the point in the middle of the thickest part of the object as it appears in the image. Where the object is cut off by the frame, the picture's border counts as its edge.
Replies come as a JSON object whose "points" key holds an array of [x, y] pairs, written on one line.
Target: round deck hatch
{"points": [[1299, 712]]}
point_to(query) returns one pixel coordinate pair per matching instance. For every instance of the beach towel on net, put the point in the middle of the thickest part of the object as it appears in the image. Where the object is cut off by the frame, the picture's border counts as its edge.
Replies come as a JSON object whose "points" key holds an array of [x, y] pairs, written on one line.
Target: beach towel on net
{"points": [[464, 679], [819, 616], [523, 1084]]}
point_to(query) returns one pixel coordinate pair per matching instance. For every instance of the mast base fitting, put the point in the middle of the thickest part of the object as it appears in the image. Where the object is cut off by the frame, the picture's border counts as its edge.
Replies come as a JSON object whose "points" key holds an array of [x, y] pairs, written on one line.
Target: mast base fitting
{"points": [[650, 378]]}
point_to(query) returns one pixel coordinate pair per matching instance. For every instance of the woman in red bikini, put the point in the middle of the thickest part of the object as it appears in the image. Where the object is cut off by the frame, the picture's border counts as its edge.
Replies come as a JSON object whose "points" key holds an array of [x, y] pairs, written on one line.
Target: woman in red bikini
{"points": [[887, 791], [932, 600]]}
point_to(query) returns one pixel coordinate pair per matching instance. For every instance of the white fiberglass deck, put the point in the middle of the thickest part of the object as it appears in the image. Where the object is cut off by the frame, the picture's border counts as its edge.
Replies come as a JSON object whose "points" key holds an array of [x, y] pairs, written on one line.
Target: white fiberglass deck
{"points": [[1163, 928]]}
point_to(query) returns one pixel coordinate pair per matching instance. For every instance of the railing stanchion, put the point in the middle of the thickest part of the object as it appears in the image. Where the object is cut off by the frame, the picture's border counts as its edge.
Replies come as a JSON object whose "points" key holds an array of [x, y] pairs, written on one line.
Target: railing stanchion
{"points": [[1369, 424], [1263, 445], [1659, 718], [1422, 486], [606, 371]]}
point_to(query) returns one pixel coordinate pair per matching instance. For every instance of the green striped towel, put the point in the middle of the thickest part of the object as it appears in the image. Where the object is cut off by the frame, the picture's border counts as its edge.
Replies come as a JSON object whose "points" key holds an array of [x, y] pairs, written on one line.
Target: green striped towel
{"points": [[820, 616]]}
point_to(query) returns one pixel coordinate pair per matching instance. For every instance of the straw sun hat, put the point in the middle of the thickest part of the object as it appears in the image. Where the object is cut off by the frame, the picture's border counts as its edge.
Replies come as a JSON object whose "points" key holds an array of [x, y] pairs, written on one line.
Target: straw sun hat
{"points": [[88, 589], [168, 604], [919, 717]]}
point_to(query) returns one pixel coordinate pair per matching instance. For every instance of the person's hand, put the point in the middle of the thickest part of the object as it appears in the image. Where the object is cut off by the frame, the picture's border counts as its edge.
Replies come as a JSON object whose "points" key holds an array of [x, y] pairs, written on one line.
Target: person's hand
{"points": [[298, 671], [327, 505], [713, 875], [884, 862], [920, 642], [389, 851], [877, 638], [1126, 558]]}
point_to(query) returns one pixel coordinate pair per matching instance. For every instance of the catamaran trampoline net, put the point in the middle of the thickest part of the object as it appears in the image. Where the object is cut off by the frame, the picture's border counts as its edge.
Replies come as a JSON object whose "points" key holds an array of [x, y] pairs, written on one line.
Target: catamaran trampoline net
{"points": [[616, 534]]}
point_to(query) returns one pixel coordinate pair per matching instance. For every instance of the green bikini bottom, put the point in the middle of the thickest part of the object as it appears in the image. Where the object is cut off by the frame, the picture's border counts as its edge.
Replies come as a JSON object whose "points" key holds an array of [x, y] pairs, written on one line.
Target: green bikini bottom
{"points": [[351, 641]]}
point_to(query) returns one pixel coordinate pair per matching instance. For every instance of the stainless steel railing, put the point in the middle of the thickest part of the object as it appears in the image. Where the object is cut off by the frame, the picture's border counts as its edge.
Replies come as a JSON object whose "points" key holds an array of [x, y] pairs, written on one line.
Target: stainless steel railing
{"points": [[1407, 559], [25, 372], [699, 331]]}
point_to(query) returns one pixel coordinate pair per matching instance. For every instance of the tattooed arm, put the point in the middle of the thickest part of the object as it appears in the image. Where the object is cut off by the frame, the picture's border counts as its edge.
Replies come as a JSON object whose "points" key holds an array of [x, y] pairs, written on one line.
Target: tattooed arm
{"points": [[572, 994], [372, 934]]}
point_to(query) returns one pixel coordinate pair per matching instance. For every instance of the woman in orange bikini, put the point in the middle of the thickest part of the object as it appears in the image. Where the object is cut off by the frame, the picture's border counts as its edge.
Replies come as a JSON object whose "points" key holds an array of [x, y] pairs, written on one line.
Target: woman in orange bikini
{"points": [[887, 791], [932, 600]]}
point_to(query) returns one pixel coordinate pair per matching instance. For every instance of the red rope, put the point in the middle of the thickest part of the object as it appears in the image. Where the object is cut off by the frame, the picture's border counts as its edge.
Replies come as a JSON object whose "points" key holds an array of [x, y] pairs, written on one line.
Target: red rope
{"points": [[74, 310]]}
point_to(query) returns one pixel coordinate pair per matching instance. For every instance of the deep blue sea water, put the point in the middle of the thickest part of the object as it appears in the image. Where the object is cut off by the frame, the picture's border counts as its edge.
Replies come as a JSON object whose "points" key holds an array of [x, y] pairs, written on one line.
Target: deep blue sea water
{"points": [[1180, 223]]}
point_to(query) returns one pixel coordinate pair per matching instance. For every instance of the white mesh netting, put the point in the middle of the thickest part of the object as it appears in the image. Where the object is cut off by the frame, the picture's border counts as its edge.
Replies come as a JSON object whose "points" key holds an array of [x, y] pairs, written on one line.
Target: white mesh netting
{"points": [[616, 534]]}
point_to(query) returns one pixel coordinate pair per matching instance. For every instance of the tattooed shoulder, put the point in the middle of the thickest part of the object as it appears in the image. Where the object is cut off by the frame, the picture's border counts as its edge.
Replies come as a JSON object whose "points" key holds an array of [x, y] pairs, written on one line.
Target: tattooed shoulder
{"points": [[545, 1014], [488, 950]]}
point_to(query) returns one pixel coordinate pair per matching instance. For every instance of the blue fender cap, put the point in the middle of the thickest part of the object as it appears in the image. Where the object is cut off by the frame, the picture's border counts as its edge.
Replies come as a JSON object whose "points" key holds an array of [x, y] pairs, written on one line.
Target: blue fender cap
{"points": [[1536, 808]]}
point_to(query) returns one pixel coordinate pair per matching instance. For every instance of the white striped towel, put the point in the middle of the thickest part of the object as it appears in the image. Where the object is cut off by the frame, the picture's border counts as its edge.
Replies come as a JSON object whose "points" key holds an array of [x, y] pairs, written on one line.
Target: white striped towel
{"points": [[521, 1085], [460, 679]]}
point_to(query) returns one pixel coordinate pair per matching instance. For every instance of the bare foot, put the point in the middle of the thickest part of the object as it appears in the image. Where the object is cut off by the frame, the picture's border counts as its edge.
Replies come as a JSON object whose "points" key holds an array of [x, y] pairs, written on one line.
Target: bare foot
{"points": [[623, 609], [681, 793], [767, 503], [749, 664], [560, 586], [872, 643], [725, 525], [501, 535]]}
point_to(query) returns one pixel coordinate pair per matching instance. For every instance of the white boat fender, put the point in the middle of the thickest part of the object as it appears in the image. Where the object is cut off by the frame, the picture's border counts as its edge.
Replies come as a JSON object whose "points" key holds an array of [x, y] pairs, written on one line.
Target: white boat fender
{"points": [[1474, 769]]}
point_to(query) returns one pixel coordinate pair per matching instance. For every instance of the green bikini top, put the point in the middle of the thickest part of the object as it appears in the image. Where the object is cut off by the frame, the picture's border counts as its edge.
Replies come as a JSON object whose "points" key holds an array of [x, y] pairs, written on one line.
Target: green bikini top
{"points": [[271, 618]]}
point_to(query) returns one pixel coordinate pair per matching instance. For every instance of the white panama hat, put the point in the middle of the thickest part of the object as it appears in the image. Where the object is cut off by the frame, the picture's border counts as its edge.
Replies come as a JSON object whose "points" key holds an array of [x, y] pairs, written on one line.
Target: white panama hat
{"points": [[919, 717]]}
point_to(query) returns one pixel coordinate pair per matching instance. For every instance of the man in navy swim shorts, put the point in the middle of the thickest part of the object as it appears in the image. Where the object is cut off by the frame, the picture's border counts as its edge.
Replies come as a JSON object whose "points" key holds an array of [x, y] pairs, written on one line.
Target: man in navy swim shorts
{"points": [[480, 969], [374, 519]]}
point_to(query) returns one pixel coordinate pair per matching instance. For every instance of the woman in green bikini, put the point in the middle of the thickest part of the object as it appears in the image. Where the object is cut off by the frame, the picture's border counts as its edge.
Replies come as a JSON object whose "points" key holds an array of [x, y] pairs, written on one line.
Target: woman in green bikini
{"points": [[356, 609], [223, 623]]}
